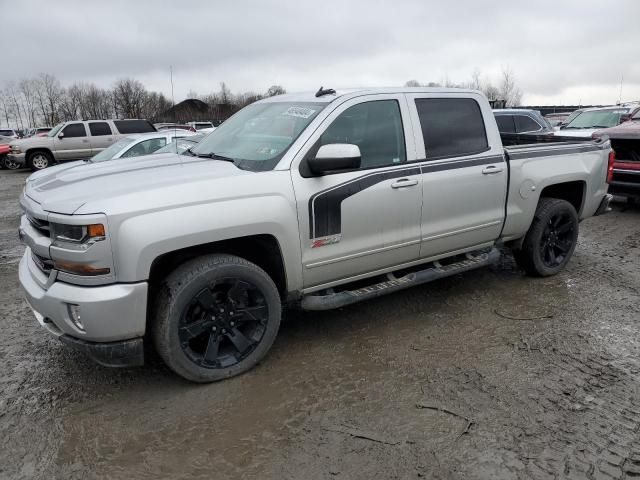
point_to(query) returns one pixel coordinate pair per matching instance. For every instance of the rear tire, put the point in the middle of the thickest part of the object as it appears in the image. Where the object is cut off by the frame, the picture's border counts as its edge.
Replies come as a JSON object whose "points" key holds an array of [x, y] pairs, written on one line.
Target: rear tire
{"points": [[551, 239], [39, 160], [215, 317]]}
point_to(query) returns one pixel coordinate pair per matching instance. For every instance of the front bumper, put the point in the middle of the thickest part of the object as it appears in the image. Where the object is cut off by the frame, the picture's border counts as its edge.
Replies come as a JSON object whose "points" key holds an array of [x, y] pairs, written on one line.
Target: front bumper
{"points": [[110, 313]]}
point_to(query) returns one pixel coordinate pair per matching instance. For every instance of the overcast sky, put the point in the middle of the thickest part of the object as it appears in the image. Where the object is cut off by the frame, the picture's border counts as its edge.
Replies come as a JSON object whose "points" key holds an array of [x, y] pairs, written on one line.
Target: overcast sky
{"points": [[561, 52]]}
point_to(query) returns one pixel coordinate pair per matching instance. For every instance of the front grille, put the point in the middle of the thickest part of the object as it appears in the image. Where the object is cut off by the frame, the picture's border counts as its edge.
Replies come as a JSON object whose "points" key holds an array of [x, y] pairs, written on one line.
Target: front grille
{"points": [[44, 264], [41, 225]]}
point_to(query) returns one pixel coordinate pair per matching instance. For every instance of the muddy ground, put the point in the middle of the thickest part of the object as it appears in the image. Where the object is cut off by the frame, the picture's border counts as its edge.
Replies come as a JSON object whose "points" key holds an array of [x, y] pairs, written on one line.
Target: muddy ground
{"points": [[489, 374]]}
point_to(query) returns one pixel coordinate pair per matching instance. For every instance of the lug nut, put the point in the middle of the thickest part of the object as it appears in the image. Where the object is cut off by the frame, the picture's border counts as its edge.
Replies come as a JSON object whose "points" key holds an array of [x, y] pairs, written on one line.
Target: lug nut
{"points": [[232, 324], [224, 330], [213, 329]]}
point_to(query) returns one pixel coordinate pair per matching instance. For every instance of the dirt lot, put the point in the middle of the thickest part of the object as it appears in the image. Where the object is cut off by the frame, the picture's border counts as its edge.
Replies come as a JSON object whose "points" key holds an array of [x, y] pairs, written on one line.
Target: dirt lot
{"points": [[485, 375]]}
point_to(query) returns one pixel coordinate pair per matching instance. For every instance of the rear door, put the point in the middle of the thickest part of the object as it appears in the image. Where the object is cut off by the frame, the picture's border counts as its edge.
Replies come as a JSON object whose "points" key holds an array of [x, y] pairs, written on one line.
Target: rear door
{"points": [[101, 136], [72, 142], [464, 173]]}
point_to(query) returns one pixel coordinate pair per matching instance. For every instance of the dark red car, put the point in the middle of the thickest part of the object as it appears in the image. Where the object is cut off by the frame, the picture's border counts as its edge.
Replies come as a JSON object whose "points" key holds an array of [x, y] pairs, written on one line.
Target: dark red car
{"points": [[624, 167]]}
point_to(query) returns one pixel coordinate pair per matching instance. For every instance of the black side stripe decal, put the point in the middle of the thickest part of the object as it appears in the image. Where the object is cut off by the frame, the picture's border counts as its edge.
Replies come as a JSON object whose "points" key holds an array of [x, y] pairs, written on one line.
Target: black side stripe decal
{"points": [[325, 215], [550, 152]]}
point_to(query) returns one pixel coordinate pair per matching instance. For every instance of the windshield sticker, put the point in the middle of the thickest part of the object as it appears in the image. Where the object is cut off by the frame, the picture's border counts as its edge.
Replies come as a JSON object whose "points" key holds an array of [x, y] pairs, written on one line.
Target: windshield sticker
{"points": [[300, 112]]}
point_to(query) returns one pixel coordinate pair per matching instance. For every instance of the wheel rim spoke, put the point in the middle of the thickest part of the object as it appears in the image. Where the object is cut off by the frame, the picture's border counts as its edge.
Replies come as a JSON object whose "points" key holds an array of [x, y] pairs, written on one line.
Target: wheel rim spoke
{"points": [[206, 300], [193, 330], [564, 228], [211, 352], [239, 340], [251, 314], [238, 293]]}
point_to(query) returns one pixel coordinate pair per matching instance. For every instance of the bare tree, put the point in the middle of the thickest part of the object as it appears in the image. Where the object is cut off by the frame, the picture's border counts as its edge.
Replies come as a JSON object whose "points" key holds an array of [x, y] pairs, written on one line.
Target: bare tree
{"points": [[412, 83], [52, 92], [275, 90], [476, 82], [509, 91], [129, 96], [27, 88], [224, 97]]}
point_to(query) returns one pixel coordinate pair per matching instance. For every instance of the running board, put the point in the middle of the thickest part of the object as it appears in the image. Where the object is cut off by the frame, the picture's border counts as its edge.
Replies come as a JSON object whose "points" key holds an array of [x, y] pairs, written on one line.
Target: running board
{"points": [[393, 284]]}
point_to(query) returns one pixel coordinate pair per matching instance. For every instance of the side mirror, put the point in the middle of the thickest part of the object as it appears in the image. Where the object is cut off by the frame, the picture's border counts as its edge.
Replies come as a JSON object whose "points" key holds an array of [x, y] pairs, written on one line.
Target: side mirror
{"points": [[61, 135], [625, 117], [335, 157]]}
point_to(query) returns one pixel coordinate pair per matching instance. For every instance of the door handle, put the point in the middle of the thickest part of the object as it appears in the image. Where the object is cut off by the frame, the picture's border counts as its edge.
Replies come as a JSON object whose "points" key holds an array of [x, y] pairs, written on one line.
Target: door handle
{"points": [[491, 170], [404, 182]]}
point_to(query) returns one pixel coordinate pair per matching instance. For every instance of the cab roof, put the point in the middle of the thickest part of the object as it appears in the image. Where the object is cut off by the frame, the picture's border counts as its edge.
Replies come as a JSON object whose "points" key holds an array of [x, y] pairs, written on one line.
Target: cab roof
{"points": [[357, 92]]}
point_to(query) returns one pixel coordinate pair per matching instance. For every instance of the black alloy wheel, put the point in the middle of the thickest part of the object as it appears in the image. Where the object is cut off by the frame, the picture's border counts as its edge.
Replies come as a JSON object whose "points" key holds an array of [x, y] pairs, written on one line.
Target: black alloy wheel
{"points": [[223, 323], [557, 239]]}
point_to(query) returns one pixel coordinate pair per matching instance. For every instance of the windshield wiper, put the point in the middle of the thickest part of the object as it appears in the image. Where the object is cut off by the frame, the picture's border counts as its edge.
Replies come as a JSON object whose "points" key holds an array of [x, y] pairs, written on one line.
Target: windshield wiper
{"points": [[188, 150], [215, 156]]}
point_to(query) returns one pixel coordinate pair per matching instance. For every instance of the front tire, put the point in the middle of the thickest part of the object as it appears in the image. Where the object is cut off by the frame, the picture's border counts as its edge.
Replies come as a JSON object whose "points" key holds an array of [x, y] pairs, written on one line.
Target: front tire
{"points": [[39, 160], [215, 317], [551, 239], [9, 164]]}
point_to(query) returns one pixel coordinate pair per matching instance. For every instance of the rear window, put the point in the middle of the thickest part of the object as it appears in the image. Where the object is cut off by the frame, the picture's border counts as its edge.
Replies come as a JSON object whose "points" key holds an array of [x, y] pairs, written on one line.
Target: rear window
{"points": [[134, 126], [6, 133], [98, 129], [451, 127], [526, 124], [505, 124]]}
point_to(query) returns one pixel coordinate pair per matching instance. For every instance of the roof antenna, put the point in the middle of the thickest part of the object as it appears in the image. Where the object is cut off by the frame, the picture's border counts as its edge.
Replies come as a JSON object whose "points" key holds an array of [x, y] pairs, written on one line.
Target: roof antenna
{"points": [[322, 91]]}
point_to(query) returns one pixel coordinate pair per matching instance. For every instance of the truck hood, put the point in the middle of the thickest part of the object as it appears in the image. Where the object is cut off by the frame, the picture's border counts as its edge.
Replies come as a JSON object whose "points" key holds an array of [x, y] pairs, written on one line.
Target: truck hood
{"points": [[67, 188]]}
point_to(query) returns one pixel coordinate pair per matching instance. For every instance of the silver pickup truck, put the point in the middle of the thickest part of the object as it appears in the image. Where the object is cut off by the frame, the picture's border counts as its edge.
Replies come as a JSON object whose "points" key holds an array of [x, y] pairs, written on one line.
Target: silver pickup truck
{"points": [[311, 200]]}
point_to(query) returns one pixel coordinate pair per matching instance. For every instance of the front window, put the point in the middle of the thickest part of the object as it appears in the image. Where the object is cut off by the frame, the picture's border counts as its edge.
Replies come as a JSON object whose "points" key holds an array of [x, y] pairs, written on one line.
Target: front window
{"points": [[146, 147], [112, 151], [597, 119], [259, 135]]}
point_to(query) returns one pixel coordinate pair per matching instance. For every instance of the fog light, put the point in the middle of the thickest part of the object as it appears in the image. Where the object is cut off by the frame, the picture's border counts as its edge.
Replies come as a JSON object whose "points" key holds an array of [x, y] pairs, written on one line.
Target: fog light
{"points": [[74, 313]]}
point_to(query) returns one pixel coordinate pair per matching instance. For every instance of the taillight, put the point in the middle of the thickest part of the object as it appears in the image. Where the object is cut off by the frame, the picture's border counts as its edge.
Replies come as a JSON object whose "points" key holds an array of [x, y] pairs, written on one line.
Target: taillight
{"points": [[612, 159]]}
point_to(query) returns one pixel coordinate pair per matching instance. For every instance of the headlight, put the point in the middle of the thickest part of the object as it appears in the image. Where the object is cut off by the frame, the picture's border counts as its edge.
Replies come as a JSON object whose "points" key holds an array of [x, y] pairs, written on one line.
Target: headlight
{"points": [[15, 149], [77, 233]]}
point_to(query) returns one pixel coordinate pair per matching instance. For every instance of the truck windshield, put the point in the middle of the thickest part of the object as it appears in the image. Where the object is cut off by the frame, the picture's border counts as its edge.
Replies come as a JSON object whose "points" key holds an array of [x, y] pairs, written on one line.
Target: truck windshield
{"points": [[259, 135], [54, 131], [597, 119]]}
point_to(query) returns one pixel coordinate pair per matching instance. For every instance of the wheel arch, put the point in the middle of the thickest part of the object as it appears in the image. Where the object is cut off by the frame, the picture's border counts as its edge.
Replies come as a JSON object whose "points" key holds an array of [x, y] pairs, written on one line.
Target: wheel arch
{"points": [[262, 249], [573, 192]]}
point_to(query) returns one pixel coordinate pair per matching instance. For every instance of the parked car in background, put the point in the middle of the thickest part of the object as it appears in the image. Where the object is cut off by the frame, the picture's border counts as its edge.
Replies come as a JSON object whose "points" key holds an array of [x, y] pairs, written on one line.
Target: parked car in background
{"points": [[173, 126], [557, 119], [624, 171], [521, 120], [182, 144], [139, 145], [203, 127], [73, 141], [588, 120], [4, 150], [8, 132], [36, 132]]}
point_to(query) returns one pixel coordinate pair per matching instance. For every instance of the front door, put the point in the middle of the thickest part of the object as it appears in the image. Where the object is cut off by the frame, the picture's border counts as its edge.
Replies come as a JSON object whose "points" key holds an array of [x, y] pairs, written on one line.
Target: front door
{"points": [[464, 173], [73, 144], [359, 222]]}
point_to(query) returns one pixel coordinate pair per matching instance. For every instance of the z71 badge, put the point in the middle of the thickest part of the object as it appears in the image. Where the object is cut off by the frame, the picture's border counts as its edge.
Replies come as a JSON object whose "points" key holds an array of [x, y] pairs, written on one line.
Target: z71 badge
{"points": [[321, 242]]}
